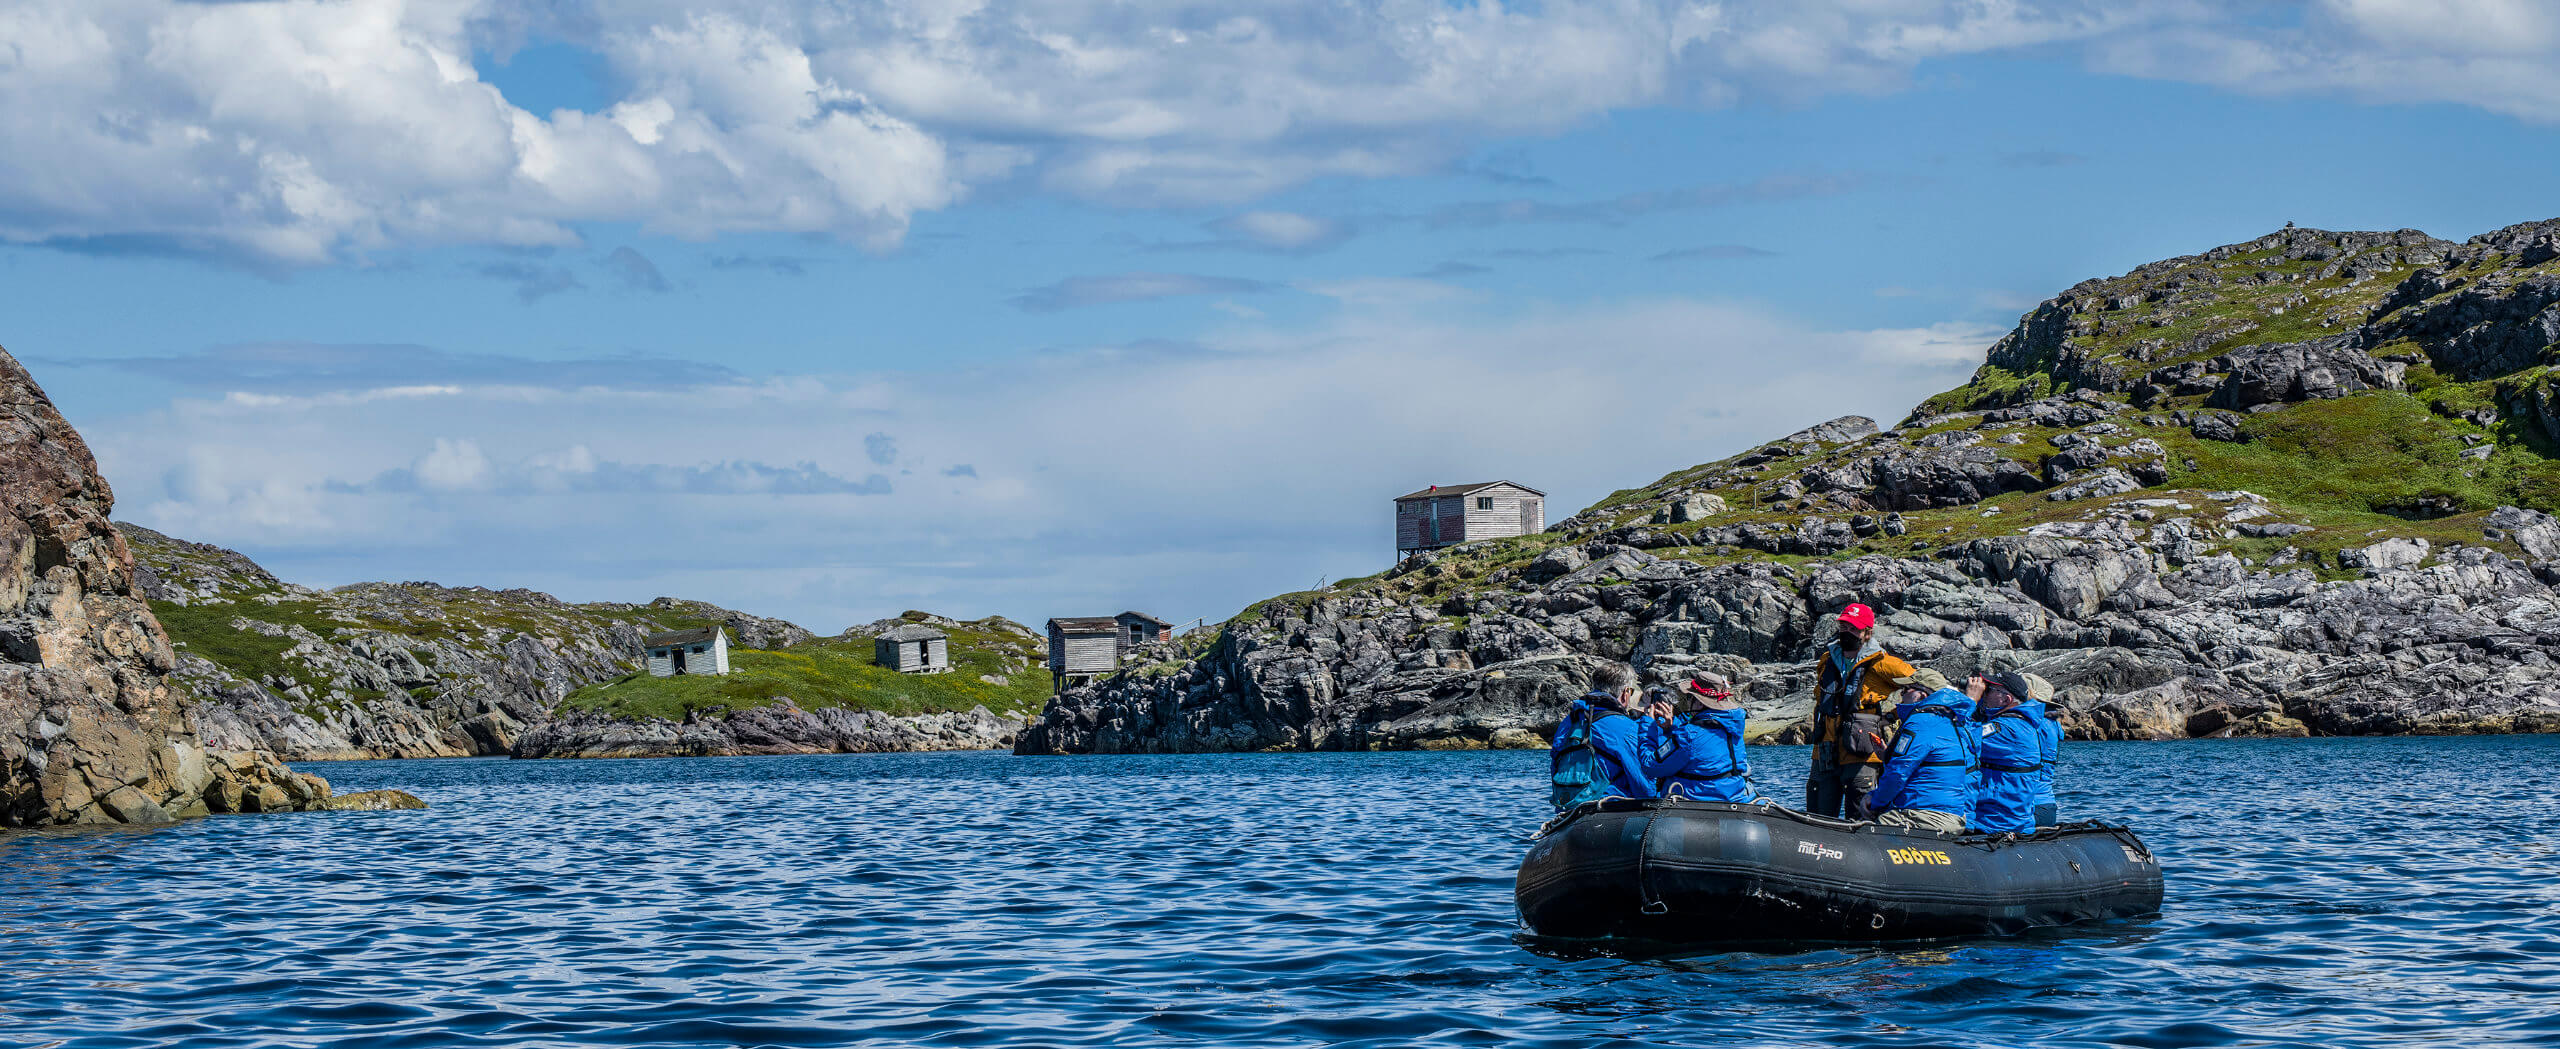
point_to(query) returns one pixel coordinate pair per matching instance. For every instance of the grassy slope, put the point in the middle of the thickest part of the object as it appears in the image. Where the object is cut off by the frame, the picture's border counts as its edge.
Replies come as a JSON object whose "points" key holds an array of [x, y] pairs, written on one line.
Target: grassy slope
{"points": [[839, 672]]}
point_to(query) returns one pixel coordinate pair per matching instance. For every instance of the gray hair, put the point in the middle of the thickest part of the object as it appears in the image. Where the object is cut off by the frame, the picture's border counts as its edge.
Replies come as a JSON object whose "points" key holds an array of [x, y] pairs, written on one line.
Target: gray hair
{"points": [[1613, 678]]}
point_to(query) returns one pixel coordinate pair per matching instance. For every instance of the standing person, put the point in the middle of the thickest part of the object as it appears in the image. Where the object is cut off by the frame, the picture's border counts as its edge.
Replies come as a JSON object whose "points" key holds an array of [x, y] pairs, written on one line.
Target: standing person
{"points": [[1927, 781], [2013, 765], [1596, 752], [1850, 732], [2049, 727], [1693, 743]]}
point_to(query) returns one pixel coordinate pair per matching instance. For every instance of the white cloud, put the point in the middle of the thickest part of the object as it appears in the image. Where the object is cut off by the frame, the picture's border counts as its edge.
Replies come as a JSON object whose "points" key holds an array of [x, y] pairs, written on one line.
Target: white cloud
{"points": [[1187, 482], [2499, 55], [1283, 230], [300, 132], [452, 464]]}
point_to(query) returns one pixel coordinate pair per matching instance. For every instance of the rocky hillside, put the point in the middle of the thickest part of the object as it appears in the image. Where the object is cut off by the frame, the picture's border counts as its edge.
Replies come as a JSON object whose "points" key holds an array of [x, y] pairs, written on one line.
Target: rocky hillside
{"points": [[826, 696], [390, 670], [2291, 486], [92, 728], [415, 670]]}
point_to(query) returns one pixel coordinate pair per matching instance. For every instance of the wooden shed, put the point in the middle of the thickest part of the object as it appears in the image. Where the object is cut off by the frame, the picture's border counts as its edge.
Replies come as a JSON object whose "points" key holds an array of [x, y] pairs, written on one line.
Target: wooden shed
{"points": [[1449, 514], [1138, 628], [701, 650], [1083, 647], [913, 649]]}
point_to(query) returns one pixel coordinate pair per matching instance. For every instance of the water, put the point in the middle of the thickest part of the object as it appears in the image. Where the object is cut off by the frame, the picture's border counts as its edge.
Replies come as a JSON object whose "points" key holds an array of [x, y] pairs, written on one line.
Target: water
{"points": [[2387, 892]]}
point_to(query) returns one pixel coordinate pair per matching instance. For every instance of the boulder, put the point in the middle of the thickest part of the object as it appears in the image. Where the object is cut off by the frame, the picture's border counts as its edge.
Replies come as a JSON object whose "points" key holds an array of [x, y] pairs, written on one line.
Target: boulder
{"points": [[374, 801], [2387, 554], [2300, 371], [2106, 482], [1696, 506], [1842, 429], [1561, 561], [2534, 532]]}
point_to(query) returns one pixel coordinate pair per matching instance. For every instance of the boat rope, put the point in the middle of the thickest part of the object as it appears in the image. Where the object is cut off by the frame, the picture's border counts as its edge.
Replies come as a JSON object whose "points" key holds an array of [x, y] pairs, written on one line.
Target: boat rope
{"points": [[1652, 904]]}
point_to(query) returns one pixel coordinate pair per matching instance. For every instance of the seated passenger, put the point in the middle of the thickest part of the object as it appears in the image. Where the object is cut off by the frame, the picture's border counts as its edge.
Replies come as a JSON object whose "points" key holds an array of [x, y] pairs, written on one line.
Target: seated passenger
{"points": [[1928, 775], [2049, 726], [1596, 753], [1693, 743], [2012, 754]]}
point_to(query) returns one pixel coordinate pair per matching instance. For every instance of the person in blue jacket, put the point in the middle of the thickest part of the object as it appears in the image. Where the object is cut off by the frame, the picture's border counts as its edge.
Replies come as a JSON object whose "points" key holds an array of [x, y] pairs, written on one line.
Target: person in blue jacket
{"points": [[2050, 727], [1928, 778], [1596, 752], [2013, 766], [1692, 743]]}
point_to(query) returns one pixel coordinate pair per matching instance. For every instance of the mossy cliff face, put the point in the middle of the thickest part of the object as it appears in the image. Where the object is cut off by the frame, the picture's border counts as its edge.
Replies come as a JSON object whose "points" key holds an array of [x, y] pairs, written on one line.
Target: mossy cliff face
{"points": [[2297, 485], [91, 728]]}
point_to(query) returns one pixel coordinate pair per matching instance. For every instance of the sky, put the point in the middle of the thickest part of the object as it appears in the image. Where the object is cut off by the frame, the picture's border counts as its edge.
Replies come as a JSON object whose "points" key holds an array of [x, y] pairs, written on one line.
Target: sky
{"points": [[829, 310]]}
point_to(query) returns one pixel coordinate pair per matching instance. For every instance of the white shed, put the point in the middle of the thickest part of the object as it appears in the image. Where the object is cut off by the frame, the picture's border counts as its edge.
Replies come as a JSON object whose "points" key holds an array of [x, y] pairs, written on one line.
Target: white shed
{"points": [[701, 650], [912, 649]]}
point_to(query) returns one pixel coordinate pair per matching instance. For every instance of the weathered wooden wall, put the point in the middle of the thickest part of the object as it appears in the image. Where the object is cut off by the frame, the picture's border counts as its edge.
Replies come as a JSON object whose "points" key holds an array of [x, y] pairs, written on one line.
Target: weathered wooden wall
{"points": [[1083, 653]]}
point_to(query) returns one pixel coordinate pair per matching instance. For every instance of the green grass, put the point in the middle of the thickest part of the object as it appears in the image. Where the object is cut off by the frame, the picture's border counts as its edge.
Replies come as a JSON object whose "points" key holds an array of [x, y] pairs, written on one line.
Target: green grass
{"points": [[1991, 386], [834, 672], [205, 630], [2375, 454]]}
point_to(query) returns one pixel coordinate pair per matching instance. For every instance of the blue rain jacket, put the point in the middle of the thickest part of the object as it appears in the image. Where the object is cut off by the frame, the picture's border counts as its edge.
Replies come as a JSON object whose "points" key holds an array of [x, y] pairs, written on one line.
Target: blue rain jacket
{"points": [[2013, 770], [1699, 756], [1613, 744], [1934, 759]]}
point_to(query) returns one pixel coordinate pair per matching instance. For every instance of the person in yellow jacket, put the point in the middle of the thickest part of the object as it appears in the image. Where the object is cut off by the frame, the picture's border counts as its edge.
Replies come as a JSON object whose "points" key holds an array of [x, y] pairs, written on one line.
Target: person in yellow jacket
{"points": [[1853, 700]]}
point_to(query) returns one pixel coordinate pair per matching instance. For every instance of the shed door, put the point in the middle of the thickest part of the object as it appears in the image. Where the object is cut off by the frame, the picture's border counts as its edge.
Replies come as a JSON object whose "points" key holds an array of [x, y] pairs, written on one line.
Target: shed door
{"points": [[679, 659]]}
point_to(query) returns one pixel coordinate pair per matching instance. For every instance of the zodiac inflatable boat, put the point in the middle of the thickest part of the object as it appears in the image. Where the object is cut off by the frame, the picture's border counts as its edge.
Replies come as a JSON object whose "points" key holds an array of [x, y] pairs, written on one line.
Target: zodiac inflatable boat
{"points": [[1689, 872]]}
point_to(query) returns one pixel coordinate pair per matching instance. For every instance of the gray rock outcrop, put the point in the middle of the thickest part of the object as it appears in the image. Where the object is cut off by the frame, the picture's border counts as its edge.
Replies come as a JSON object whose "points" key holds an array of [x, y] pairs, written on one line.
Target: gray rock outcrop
{"points": [[91, 728], [2144, 638]]}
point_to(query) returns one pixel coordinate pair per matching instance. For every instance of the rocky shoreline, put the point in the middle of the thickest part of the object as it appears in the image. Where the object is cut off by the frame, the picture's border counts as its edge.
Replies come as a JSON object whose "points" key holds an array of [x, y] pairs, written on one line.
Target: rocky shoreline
{"points": [[2464, 644], [781, 728]]}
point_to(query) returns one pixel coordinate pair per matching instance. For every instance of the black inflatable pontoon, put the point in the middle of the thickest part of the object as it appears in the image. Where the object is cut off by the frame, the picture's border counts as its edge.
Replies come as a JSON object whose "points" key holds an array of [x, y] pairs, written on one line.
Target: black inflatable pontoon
{"points": [[1688, 872]]}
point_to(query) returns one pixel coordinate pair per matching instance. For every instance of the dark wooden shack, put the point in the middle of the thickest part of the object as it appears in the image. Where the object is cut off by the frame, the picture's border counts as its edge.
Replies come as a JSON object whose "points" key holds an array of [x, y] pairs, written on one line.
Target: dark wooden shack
{"points": [[913, 649], [1449, 514], [1083, 648]]}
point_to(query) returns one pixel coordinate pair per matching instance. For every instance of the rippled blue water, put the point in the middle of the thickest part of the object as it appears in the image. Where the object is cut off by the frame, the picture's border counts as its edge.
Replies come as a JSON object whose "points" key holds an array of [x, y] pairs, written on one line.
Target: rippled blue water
{"points": [[2322, 892]]}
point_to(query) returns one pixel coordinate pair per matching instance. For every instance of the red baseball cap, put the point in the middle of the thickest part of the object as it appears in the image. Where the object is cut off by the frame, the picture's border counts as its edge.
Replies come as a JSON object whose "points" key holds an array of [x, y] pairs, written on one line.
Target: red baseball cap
{"points": [[1859, 616]]}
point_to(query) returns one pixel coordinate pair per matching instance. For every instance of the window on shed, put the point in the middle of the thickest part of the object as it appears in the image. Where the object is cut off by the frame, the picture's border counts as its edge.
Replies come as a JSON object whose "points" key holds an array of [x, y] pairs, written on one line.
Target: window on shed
{"points": [[1484, 502], [700, 649]]}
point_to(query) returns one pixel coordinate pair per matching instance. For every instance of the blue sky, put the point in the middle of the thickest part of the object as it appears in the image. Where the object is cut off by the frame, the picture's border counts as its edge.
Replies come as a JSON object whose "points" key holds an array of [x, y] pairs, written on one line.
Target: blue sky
{"points": [[1065, 309]]}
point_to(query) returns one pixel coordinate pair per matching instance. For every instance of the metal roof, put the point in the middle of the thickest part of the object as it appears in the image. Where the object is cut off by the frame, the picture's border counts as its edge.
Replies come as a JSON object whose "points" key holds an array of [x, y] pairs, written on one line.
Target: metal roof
{"points": [[679, 637], [1467, 489], [912, 632], [1086, 625], [1144, 616]]}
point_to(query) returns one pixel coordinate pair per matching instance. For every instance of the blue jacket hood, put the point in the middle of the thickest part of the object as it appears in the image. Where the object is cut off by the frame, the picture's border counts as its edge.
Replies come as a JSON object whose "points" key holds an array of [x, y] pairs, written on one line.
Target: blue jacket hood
{"points": [[1958, 702]]}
